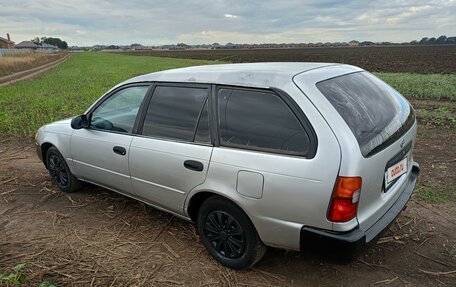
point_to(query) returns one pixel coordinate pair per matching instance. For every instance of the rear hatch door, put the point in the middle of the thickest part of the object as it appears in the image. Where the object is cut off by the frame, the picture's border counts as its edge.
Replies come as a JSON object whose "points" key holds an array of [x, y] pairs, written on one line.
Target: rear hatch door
{"points": [[383, 124]]}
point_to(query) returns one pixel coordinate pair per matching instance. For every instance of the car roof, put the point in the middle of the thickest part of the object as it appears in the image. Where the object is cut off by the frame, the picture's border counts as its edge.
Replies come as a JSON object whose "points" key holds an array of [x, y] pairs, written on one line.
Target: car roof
{"points": [[261, 75]]}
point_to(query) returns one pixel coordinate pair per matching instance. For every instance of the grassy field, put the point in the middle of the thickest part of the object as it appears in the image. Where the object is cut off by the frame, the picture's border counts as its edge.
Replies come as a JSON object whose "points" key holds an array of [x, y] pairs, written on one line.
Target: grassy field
{"points": [[72, 87]]}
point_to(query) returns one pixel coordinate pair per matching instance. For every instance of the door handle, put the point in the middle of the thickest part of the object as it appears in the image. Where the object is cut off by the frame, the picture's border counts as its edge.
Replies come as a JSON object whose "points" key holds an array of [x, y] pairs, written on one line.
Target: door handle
{"points": [[194, 165], [119, 150]]}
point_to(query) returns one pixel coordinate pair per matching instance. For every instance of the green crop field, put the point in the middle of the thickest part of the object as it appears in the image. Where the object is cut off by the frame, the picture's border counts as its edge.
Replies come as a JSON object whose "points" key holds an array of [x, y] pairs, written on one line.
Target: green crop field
{"points": [[69, 89], [422, 86]]}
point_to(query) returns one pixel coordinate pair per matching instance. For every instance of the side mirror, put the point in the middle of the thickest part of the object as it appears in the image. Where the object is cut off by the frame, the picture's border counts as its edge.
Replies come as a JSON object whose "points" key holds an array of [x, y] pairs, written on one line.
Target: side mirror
{"points": [[80, 122]]}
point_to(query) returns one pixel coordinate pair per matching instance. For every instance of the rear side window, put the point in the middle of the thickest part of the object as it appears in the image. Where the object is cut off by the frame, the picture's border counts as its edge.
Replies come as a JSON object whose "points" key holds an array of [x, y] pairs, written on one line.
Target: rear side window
{"points": [[261, 121], [173, 112], [373, 110]]}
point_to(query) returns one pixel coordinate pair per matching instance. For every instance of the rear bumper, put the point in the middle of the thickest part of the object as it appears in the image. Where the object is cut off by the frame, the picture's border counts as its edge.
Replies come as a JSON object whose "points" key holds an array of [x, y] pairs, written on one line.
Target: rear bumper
{"points": [[351, 244]]}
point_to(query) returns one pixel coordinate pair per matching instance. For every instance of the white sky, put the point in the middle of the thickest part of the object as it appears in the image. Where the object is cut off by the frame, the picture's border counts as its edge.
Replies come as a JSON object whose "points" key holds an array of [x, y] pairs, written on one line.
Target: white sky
{"points": [[123, 22]]}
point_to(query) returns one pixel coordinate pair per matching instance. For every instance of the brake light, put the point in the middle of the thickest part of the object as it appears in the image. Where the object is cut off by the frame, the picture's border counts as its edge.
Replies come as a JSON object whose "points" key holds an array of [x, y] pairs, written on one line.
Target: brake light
{"points": [[345, 199]]}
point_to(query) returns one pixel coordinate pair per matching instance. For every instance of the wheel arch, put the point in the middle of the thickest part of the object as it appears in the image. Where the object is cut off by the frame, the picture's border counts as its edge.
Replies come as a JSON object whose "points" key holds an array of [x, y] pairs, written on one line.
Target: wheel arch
{"points": [[61, 141], [44, 148], [196, 199], [195, 202]]}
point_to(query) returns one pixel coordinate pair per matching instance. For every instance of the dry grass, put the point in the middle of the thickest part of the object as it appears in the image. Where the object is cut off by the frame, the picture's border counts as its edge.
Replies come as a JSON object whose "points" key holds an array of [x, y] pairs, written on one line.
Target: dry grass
{"points": [[16, 63]]}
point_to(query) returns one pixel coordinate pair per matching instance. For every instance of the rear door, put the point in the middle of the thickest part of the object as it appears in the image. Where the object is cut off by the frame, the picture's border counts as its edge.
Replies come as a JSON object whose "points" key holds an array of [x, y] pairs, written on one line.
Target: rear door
{"points": [[100, 152], [282, 166], [171, 154]]}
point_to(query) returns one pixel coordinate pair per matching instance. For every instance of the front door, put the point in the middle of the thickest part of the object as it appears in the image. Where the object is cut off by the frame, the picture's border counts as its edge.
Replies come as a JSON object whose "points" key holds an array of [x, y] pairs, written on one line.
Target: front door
{"points": [[100, 152]]}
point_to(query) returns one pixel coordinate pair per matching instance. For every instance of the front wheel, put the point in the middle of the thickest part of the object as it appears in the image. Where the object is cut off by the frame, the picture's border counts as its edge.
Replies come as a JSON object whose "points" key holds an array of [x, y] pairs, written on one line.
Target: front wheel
{"points": [[228, 234], [60, 172]]}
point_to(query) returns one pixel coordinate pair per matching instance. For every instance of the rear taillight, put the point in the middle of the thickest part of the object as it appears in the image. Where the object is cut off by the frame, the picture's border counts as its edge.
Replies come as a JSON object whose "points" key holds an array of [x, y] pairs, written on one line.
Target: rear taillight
{"points": [[345, 198]]}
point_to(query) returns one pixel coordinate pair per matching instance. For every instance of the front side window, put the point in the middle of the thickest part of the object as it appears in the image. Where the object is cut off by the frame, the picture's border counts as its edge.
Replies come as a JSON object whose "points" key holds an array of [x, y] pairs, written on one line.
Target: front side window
{"points": [[259, 120], [174, 111], [118, 113]]}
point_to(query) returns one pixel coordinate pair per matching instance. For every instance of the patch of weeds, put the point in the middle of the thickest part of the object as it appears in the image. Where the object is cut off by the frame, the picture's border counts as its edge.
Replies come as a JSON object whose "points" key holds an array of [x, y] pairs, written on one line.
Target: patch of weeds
{"points": [[436, 194], [18, 278], [422, 86], [441, 116]]}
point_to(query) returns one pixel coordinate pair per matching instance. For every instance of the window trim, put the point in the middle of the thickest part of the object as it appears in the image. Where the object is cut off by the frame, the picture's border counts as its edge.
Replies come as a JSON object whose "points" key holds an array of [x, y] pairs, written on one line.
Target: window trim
{"points": [[288, 101], [206, 104], [112, 93], [143, 111]]}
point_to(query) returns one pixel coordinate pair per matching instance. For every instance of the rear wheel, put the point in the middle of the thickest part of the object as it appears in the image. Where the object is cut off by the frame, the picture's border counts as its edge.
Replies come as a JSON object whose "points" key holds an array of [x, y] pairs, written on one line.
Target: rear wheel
{"points": [[228, 234], [60, 172]]}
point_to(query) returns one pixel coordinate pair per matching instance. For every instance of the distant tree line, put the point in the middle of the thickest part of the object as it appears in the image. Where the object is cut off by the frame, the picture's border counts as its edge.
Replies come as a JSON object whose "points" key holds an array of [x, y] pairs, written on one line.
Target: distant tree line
{"points": [[431, 41], [182, 46]]}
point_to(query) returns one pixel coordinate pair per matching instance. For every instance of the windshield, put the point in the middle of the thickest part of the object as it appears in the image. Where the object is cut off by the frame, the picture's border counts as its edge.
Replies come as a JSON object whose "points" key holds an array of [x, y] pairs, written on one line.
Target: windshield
{"points": [[375, 112]]}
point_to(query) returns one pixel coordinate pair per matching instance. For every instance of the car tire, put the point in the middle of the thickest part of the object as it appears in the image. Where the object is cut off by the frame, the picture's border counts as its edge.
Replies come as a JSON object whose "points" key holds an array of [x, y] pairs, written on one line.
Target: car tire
{"points": [[60, 172], [228, 234]]}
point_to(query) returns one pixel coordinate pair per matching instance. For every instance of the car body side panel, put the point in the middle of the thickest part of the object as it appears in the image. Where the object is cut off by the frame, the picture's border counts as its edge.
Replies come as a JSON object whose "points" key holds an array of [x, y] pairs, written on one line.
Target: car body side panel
{"points": [[158, 173], [296, 190]]}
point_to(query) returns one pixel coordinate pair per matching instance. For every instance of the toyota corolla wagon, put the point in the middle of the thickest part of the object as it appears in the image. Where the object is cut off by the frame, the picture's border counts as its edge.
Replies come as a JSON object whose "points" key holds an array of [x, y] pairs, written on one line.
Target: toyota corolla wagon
{"points": [[286, 155]]}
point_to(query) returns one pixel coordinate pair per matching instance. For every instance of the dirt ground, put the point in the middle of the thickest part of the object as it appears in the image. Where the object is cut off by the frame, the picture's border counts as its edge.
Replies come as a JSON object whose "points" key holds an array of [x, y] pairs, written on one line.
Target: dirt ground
{"points": [[409, 59], [99, 238]]}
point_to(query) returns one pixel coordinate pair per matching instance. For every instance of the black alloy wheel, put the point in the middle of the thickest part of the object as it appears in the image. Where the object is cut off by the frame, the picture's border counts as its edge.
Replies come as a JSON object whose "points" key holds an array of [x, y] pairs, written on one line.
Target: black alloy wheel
{"points": [[58, 171], [225, 234], [228, 233]]}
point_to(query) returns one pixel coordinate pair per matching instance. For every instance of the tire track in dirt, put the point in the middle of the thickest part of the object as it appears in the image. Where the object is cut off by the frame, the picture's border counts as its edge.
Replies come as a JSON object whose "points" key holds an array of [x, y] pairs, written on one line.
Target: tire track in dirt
{"points": [[24, 75]]}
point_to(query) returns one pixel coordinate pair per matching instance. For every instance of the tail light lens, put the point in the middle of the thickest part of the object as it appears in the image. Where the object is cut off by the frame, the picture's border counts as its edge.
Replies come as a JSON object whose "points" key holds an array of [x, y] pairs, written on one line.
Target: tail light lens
{"points": [[345, 199]]}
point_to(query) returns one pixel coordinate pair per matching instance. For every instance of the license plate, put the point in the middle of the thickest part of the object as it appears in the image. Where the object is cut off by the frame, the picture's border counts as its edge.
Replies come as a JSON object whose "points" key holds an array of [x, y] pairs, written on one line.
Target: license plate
{"points": [[395, 171]]}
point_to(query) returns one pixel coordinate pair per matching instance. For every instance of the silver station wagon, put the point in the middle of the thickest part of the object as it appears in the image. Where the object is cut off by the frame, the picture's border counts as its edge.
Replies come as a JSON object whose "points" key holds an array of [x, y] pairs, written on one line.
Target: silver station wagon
{"points": [[288, 155]]}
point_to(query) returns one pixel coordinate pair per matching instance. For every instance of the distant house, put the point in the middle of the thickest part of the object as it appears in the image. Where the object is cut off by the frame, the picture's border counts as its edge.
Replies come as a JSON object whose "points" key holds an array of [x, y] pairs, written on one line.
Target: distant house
{"points": [[27, 45], [179, 46], [136, 46], [46, 46], [6, 43], [367, 43], [33, 46]]}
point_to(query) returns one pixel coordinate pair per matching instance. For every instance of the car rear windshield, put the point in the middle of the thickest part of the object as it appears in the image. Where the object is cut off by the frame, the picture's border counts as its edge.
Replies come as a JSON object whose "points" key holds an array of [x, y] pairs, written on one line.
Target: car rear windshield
{"points": [[376, 113]]}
